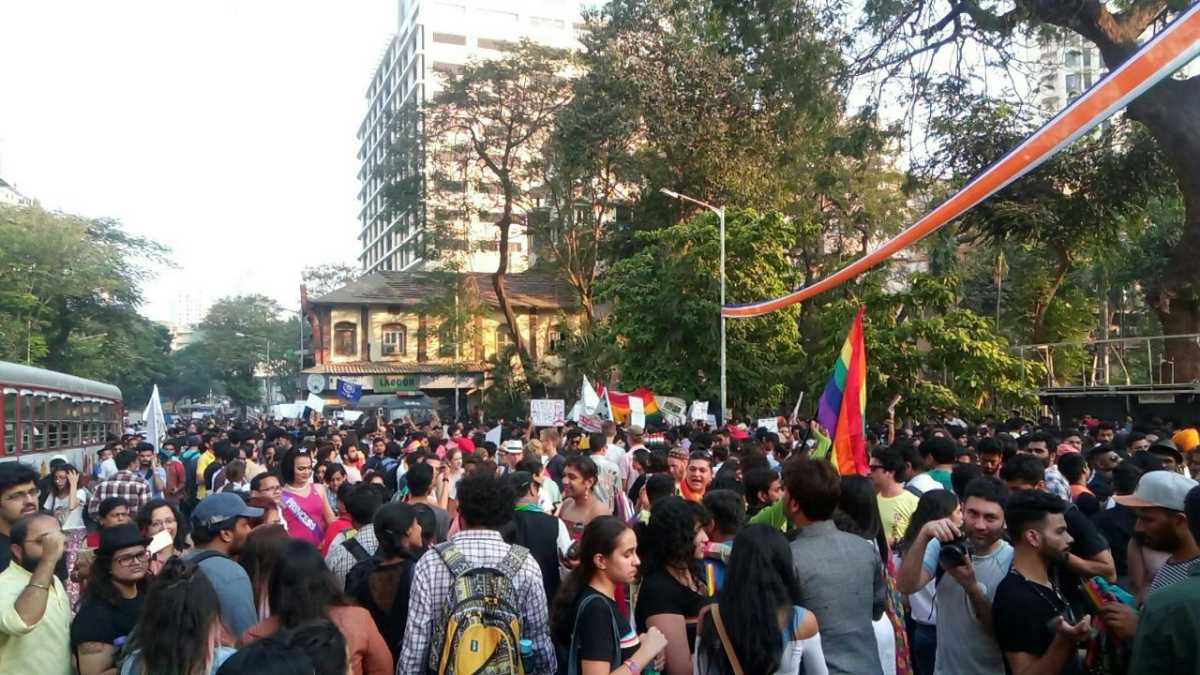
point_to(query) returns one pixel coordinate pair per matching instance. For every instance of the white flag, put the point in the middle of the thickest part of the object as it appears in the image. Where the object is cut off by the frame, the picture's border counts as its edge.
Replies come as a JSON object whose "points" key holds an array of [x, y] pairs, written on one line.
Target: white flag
{"points": [[588, 396], [156, 424]]}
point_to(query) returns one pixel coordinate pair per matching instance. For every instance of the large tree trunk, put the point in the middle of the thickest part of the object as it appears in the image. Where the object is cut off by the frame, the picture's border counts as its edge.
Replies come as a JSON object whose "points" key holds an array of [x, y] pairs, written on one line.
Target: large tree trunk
{"points": [[1171, 112], [502, 296]]}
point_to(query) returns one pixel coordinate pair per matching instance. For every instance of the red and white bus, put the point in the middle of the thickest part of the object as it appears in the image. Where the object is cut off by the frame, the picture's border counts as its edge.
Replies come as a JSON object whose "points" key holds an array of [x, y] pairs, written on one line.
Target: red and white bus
{"points": [[46, 413]]}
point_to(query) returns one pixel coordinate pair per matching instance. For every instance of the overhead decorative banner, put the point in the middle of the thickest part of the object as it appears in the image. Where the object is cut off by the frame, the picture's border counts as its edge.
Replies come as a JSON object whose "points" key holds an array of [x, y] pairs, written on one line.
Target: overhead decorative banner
{"points": [[1165, 53]]}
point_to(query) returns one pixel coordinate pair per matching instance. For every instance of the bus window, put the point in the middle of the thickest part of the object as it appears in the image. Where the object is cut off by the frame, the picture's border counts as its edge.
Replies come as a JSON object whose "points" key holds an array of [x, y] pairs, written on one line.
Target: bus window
{"points": [[10, 422]]}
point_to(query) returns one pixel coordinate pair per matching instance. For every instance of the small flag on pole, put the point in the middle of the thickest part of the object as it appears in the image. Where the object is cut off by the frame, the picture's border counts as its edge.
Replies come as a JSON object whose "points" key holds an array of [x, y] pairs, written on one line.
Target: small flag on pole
{"points": [[843, 405], [349, 391], [156, 424]]}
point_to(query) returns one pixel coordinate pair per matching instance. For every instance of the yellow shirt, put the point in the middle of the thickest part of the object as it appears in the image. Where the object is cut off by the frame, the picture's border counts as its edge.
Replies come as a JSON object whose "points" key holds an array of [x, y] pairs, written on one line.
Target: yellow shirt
{"points": [[202, 464], [43, 648], [895, 513]]}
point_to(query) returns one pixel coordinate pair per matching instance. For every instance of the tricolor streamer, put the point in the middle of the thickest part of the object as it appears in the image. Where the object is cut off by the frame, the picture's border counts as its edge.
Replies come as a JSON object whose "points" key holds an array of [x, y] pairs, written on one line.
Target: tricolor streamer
{"points": [[1167, 52]]}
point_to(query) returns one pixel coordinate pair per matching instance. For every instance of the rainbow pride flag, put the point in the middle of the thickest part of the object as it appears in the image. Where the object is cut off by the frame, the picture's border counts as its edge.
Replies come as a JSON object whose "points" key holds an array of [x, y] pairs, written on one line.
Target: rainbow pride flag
{"points": [[843, 405], [618, 404]]}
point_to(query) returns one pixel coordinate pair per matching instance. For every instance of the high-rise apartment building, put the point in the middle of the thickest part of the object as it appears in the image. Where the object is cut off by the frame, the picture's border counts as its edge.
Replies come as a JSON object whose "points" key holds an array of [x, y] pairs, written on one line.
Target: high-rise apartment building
{"points": [[1068, 67], [433, 38]]}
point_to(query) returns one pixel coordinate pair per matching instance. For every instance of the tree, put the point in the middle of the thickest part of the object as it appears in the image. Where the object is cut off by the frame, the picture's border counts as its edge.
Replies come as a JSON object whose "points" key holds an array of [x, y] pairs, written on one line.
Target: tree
{"points": [[498, 114], [321, 279], [911, 34], [664, 316], [72, 287], [938, 358], [1074, 207], [236, 333]]}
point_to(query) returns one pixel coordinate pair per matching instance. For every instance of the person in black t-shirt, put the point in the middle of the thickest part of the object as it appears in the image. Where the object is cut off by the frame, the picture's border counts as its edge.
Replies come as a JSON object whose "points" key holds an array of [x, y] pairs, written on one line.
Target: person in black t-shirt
{"points": [[114, 599], [585, 622], [382, 583], [1036, 627]]}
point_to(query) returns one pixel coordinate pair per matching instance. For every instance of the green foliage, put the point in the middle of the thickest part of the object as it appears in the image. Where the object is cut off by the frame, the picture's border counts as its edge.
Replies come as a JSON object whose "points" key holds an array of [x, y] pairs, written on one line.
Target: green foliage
{"points": [[508, 396], [665, 310], [236, 336], [321, 279], [937, 357], [71, 290]]}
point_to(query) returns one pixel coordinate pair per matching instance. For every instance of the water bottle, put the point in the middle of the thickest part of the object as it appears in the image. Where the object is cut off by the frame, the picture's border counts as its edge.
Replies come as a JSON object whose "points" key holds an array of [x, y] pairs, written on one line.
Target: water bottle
{"points": [[526, 647]]}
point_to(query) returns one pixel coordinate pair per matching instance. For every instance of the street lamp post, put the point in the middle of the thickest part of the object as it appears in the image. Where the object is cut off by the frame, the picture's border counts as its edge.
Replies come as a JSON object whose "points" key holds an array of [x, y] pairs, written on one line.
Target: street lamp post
{"points": [[720, 211]]}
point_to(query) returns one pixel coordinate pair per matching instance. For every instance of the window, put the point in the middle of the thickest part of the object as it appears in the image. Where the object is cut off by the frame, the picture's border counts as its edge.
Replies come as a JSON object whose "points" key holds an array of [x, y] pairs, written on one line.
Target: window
{"points": [[504, 338], [450, 39], [446, 68], [1074, 59], [446, 340], [496, 45], [1074, 83], [542, 22], [344, 338], [558, 333], [395, 339], [10, 422]]}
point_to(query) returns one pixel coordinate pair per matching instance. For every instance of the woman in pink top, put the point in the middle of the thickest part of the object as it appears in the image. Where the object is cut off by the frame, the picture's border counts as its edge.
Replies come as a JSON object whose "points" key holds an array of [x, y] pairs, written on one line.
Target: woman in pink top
{"points": [[305, 509]]}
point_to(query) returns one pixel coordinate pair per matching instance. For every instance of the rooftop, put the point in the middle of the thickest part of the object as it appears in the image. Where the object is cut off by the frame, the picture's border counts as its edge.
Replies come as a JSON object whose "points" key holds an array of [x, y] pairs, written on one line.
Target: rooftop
{"points": [[386, 368], [528, 290]]}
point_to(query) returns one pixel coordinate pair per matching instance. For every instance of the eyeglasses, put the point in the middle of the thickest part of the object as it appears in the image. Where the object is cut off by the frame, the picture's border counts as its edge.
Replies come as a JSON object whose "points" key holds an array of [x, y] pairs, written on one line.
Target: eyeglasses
{"points": [[131, 559]]}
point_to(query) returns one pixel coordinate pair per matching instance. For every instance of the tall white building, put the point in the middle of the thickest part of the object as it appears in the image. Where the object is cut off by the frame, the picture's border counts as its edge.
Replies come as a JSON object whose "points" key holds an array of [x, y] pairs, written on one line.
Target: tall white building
{"points": [[1068, 68], [435, 37]]}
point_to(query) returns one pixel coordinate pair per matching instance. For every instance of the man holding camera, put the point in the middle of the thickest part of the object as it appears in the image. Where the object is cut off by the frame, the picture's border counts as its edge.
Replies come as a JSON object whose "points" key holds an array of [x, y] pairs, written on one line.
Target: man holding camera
{"points": [[1037, 627], [968, 565]]}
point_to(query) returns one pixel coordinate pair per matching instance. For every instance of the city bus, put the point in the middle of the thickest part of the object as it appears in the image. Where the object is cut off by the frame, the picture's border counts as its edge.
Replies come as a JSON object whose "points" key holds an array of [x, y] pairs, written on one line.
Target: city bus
{"points": [[46, 413]]}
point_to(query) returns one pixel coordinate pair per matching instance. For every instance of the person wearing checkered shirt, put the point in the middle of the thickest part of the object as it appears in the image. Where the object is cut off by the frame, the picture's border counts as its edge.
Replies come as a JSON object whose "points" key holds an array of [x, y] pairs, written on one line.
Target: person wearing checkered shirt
{"points": [[485, 504], [124, 483]]}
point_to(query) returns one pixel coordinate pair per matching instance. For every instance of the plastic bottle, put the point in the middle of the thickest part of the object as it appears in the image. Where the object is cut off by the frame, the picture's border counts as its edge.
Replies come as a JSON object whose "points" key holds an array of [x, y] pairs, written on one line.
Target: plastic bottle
{"points": [[526, 647]]}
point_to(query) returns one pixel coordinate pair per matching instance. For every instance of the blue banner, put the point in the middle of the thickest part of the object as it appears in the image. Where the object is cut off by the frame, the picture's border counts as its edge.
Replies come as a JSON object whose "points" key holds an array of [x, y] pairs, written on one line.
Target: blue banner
{"points": [[349, 391]]}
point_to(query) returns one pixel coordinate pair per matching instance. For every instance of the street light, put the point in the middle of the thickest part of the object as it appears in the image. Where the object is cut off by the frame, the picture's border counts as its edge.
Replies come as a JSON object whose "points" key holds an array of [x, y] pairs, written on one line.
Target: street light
{"points": [[268, 340], [720, 211]]}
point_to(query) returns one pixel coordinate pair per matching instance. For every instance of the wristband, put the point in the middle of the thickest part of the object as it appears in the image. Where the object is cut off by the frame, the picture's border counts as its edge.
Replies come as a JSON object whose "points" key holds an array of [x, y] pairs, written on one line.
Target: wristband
{"points": [[44, 587], [633, 666]]}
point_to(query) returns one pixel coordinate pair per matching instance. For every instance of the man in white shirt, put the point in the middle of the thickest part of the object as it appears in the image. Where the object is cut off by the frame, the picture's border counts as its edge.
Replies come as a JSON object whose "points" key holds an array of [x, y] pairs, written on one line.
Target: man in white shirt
{"points": [[614, 452]]}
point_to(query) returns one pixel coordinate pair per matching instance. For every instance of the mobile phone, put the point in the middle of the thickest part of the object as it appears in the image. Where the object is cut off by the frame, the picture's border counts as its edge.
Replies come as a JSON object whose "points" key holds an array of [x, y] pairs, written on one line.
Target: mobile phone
{"points": [[159, 542]]}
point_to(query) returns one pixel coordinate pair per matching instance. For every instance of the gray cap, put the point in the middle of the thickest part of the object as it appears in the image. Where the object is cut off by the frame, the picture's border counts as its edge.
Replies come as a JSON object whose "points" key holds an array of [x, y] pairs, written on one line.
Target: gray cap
{"points": [[1162, 489], [223, 506]]}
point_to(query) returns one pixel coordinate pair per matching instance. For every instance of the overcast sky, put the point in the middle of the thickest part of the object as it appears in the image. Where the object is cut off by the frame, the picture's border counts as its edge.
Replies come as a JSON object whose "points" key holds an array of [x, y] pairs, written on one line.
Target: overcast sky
{"points": [[224, 129]]}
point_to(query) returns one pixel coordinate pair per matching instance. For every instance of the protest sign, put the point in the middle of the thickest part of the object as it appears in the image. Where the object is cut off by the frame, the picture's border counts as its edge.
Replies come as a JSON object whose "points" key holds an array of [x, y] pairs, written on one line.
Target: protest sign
{"points": [[547, 412], [699, 411]]}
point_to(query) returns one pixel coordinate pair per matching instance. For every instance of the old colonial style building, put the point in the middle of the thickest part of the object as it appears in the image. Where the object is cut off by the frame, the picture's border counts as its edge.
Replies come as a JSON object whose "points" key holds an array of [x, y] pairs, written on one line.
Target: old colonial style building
{"points": [[436, 333]]}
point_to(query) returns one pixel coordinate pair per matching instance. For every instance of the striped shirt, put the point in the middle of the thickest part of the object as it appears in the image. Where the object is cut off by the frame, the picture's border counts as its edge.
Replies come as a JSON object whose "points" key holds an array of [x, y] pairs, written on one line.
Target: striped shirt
{"points": [[1172, 573]]}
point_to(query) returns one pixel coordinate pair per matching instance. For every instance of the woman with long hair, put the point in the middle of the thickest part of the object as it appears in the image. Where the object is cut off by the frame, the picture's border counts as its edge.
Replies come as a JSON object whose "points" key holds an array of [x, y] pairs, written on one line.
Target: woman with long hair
{"points": [[858, 513], [115, 595], [302, 589], [158, 515], [305, 506], [382, 582], [258, 557], [585, 614], [66, 500], [672, 590], [757, 608], [922, 614], [178, 632]]}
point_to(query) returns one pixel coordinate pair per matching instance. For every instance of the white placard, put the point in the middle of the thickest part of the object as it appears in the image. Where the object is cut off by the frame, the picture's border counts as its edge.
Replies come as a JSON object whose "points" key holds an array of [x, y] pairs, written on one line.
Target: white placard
{"points": [[547, 412], [699, 412], [771, 424], [637, 412], [315, 402], [351, 416]]}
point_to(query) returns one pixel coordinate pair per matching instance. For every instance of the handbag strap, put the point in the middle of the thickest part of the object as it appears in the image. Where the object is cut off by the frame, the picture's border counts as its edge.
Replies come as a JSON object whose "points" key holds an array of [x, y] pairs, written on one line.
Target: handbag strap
{"points": [[726, 646]]}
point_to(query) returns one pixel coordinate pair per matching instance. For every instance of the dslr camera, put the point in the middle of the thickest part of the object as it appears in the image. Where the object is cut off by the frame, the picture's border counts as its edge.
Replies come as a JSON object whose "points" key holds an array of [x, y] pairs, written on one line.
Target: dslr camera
{"points": [[955, 552]]}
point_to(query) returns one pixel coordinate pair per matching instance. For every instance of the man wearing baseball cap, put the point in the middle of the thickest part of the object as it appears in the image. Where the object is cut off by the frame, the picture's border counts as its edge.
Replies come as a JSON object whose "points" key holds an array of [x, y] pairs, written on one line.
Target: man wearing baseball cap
{"points": [[1159, 501], [1168, 631], [219, 529]]}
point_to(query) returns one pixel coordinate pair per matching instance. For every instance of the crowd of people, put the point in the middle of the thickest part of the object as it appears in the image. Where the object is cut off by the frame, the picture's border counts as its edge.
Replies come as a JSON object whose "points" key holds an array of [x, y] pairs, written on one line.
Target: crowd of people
{"points": [[301, 547]]}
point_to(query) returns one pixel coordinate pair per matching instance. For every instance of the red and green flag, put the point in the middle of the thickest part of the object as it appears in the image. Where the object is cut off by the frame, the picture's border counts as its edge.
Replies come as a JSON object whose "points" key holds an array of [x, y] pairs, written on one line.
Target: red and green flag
{"points": [[843, 405]]}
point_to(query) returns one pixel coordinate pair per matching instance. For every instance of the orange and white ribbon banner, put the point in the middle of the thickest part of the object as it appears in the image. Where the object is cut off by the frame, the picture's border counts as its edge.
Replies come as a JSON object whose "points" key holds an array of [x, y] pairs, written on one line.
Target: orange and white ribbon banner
{"points": [[1165, 53]]}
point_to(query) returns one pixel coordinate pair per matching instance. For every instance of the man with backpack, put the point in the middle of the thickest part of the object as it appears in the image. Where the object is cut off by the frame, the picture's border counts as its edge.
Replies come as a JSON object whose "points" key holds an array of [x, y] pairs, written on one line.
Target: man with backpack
{"points": [[220, 526], [362, 502], [502, 580]]}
